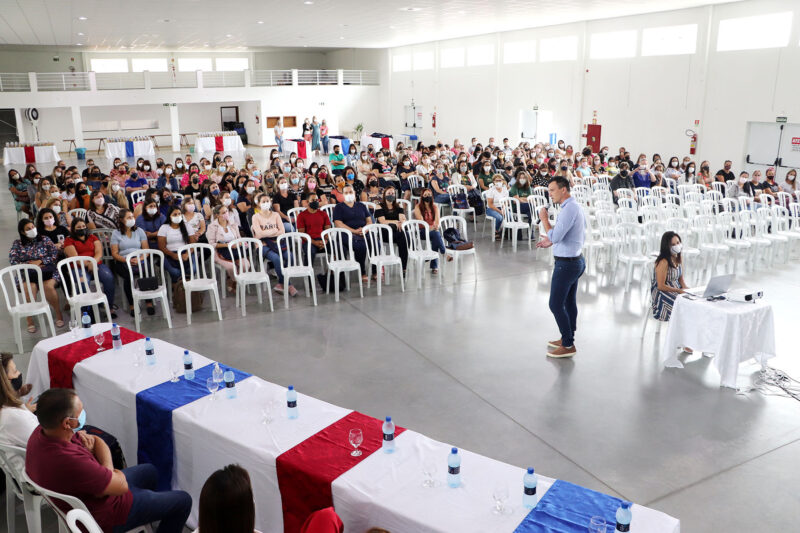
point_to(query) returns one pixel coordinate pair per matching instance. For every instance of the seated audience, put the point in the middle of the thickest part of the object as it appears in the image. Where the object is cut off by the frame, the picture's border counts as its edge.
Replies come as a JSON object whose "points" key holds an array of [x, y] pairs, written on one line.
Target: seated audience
{"points": [[428, 212], [47, 225], [493, 199], [125, 240], [101, 215], [353, 216], [314, 221], [171, 237], [219, 233], [267, 226], [81, 243], [391, 213]]}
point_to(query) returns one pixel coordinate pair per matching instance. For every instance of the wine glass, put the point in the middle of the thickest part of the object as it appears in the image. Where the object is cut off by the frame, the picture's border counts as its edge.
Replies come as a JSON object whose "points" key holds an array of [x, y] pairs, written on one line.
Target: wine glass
{"points": [[429, 469], [356, 438], [175, 371], [73, 328], [500, 495], [212, 387], [598, 525], [99, 338]]}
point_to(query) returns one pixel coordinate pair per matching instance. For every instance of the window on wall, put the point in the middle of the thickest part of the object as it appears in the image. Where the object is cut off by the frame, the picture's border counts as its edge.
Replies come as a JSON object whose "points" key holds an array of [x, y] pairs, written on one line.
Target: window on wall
{"points": [[232, 63], [759, 31], [401, 63], [559, 49], [117, 64], [190, 64], [153, 64], [481, 54], [613, 44], [423, 61], [520, 52], [452, 58], [669, 40]]}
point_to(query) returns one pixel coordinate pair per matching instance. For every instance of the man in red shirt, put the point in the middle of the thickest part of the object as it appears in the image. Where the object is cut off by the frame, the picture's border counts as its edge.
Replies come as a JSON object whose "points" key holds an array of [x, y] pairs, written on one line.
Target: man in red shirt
{"points": [[313, 222], [63, 459]]}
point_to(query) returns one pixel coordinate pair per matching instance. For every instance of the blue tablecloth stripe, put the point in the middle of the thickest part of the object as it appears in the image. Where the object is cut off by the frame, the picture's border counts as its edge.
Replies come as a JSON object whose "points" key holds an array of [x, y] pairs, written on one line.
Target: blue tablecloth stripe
{"points": [[345, 146], [568, 508], [128, 148], [154, 408]]}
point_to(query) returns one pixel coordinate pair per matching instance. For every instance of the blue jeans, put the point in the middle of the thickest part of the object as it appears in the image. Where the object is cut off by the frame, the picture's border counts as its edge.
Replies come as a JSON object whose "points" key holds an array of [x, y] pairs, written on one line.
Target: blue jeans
{"points": [[325, 144], [279, 141], [170, 508], [106, 278], [276, 260], [441, 198], [437, 245], [496, 215], [174, 268], [563, 297]]}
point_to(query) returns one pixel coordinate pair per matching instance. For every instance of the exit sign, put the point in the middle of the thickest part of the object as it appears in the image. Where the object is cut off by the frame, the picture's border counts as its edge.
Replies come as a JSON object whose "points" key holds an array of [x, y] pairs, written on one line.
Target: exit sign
{"points": [[780, 120]]}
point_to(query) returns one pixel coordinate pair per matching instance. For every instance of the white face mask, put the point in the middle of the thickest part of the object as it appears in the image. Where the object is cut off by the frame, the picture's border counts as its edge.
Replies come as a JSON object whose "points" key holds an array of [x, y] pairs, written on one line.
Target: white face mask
{"points": [[249, 190], [265, 206], [674, 164], [31, 233], [176, 219], [46, 187], [226, 202], [498, 185], [147, 168], [168, 171], [49, 221], [152, 211], [55, 194], [159, 171], [56, 209], [283, 186], [790, 177], [190, 208], [676, 249], [99, 201], [222, 168], [208, 167], [114, 187], [521, 182], [487, 169], [349, 198], [130, 222]]}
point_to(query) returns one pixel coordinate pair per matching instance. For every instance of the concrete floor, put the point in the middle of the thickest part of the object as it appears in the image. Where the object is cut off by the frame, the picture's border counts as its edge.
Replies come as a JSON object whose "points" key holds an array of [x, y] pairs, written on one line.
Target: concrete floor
{"points": [[466, 364]]}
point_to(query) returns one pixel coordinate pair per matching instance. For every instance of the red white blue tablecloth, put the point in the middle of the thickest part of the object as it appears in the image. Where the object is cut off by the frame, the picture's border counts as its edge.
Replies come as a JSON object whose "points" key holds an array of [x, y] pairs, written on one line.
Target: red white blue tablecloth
{"points": [[30, 154]]}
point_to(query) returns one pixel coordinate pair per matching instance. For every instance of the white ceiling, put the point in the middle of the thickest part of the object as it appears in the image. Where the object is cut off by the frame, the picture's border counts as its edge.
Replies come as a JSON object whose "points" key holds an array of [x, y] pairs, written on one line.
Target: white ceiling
{"points": [[235, 24]]}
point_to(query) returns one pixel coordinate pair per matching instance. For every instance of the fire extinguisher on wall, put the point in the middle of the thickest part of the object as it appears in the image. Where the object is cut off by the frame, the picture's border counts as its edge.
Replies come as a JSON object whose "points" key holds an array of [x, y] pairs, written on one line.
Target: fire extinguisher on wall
{"points": [[433, 120], [693, 141]]}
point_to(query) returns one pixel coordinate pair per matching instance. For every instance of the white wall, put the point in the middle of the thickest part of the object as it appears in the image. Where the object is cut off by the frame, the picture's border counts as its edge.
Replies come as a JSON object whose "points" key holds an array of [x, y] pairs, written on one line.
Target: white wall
{"points": [[13, 59], [643, 103]]}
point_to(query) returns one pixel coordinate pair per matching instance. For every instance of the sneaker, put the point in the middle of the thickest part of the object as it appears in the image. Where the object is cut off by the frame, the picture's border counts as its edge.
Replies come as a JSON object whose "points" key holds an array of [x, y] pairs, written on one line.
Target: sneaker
{"points": [[292, 291], [562, 352], [278, 288], [554, 344]]}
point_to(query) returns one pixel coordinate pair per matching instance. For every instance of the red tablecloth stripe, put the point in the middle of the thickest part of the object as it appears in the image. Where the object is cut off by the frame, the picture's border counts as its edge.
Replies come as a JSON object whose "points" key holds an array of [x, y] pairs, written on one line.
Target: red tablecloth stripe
{"points": [[219, 144], [301, 150], [30, 154], [63, 359], [386, 143], [305, 472]]}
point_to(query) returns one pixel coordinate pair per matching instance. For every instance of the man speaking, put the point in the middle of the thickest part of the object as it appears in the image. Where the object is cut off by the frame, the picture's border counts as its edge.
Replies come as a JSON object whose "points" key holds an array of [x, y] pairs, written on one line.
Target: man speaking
{"points": [[566, 238]]}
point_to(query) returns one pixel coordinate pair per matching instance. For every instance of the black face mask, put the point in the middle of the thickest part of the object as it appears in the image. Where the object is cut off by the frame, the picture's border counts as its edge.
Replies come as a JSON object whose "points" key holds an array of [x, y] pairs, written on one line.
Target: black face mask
{"points": [[17, 382], [373, 183], [81, 192], [427, 200], [624, 173], [390, 199], [81, 233], [313, 205]]}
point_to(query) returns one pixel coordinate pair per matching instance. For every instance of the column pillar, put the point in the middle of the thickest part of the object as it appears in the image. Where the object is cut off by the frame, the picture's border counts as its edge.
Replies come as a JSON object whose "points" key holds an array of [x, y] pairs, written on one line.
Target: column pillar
{"points": [[77, 126], [174, 128]]}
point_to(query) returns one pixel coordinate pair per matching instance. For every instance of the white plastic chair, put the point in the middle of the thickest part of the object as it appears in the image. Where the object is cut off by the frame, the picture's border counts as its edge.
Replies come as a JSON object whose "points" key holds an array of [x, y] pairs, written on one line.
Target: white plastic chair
{"points": [[79, 292], [79, 521], [17, 489], [460, 224], [293, 213], [381, 254], [297, 264], [200, 277], [328, 210], [104, 236], [419, 248], [249, 269], [415, 182], [512, 221], [150, 263], [177, 198], [630, 253], [406, 207], [340, 257], [17, 279], [79, 213], [454, 191], [138, 196], [372, 207], [648, 274]]}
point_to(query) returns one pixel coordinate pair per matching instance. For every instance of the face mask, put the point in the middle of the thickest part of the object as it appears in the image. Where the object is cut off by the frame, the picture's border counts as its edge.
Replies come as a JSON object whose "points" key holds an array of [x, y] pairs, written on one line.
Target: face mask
{"points": [[49, 221], [31, 233], [498, 185], [81, 232], [690, 170], [190, 208], [350, 176], [58, 174], [676, 249], [147, 169], [81, 421], [139, 165], [215, 192], [789, 177], [295, 181], [624, 173], [292, 159], [226, 202], [550, 154], [250, 190], [208, 167], [130, 222], [364, 157], [390, 198], [152, 211], [522, 182], [313, 205], [283, 186], [742, 181], [704, 168], [17, 382], [463, 168], [99, 201], [487, 169], [176, 219], [349, 198], [56, 209], [222, 168], [605, 152], [311, 186], [179, 165], [114, 187], [406, 164], [427, 199], [265, 206], [674, 164]]}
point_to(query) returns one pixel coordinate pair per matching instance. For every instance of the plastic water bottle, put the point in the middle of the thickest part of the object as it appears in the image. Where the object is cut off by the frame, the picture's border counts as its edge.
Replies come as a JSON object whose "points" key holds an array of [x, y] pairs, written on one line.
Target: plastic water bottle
{"points": [[454, 469], [388, 436], [116, 336], [188, 369], [149, 352], [624, 516], [529, 498], [230, 384], [291, 403], [86, 322], [216, 374]]}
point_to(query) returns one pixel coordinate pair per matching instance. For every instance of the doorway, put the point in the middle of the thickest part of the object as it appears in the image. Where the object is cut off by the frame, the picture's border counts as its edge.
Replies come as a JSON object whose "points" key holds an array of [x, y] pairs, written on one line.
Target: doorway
{"points": [[8, 126], [228, 114]]}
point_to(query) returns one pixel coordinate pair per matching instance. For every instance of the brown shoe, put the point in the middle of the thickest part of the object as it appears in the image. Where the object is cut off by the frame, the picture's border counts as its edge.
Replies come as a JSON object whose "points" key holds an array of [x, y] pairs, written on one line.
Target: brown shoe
{"points": [[554, 344], [561, 351]]}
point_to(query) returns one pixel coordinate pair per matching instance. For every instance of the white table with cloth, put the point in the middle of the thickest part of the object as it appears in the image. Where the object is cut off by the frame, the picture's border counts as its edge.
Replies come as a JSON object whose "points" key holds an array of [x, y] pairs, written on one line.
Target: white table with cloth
{"points": [[382, 490], [230, 143], [123, 149], [733, 332], [377, 142], [299, 146], [16, 155]]}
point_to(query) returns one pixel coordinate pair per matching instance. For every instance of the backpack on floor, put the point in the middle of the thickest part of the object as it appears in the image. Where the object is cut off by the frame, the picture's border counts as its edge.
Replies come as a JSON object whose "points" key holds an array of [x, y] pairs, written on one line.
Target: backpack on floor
{"points": [[179, 299]]}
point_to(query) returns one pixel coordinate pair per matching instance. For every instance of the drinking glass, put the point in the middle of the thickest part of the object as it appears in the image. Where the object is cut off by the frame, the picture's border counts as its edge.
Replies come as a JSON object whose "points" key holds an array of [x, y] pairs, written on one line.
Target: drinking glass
{"points": [[429, 470], [598, 525], [268, 412], [99, 338], [73, 328], [356, 438], [212, 387], [175, 371], [500, 495], [138, 356]]}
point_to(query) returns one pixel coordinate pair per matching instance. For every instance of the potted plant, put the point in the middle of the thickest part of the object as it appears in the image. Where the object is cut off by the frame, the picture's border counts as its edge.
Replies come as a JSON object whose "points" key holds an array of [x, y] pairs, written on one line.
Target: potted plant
{"points": [[357, 131]]}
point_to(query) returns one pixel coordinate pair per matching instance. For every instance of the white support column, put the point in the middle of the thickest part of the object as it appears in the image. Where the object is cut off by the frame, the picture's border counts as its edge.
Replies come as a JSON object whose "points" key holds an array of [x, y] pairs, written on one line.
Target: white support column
{"points": [[20, 124], [339, 77], [33, 82], [147, 83], [174, 128], [294, 77], [199, 75], [77, 126], [267, 134], [92, 81], [247, 74]]}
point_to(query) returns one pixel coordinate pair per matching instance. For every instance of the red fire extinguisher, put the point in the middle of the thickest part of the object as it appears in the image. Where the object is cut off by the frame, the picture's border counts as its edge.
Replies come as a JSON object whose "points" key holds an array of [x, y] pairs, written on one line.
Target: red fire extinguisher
{"points": [[693, 144], [433, 120]]}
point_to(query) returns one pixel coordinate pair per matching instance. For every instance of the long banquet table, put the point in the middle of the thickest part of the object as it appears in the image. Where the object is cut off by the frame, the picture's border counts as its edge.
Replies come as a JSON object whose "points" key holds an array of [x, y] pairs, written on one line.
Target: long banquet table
{"points": [[220, 143], [17, 155], [382, 490], [123, 149]]}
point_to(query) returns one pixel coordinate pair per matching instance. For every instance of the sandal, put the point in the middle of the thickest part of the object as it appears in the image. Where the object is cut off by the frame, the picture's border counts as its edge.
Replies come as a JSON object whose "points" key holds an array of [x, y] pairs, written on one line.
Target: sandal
{"points": [[31, 329], [435, 271], [59, 323]]}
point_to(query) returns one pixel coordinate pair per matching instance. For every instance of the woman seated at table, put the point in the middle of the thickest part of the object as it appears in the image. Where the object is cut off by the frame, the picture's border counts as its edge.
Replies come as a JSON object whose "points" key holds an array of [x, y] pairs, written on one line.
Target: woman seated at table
{"points": [[47, 225], [219, 233], [81, 243], [150, 221], [667, 282], [427, 211], [391, 213], [267, 225], [34, 249], [353, 216], [125, 240], [101, 215], [172, 236], [373, 192]]}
